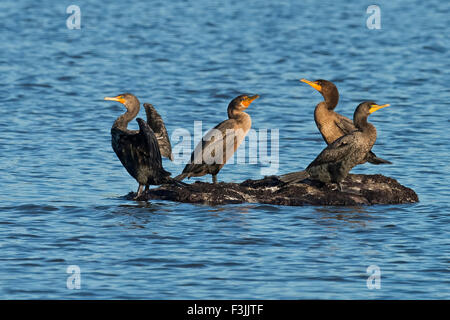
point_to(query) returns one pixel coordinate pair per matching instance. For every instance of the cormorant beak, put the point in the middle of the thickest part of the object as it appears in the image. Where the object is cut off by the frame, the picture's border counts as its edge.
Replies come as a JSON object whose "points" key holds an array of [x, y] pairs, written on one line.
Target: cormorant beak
{"points": [[312, 84], [248, 100], [375, 107], [118, 99]]}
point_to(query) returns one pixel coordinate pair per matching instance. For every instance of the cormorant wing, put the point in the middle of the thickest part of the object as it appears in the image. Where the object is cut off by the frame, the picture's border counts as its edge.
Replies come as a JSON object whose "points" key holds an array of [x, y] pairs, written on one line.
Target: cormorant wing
{"points": [[345, 124], [146, 145], [216, 140], [137, 149], [156, 123], [336, 151]]}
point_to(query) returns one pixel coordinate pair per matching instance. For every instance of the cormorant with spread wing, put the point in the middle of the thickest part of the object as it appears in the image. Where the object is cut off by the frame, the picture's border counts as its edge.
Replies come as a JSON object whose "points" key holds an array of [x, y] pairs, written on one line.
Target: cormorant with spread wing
{"points": [[138, 150]]}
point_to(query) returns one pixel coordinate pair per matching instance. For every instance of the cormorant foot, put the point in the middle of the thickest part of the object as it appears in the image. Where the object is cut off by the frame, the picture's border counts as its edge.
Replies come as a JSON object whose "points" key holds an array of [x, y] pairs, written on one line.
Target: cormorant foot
{"points": [[140, 193]]}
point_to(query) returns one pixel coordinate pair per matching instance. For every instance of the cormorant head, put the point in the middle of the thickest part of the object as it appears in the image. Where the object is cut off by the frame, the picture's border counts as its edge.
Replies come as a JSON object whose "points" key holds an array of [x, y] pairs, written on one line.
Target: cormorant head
{"points": [[325, 87], [127, 99], [242, 102], [364, 109]]}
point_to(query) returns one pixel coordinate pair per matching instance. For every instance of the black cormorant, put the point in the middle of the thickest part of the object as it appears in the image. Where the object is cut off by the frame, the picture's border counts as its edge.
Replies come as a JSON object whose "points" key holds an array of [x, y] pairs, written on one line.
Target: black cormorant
{"points": [[137, 150]]}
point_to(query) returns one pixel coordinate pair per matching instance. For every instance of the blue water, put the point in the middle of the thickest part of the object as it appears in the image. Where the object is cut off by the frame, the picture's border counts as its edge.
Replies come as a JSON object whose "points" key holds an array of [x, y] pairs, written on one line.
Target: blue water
{"points": [[62, 187]]}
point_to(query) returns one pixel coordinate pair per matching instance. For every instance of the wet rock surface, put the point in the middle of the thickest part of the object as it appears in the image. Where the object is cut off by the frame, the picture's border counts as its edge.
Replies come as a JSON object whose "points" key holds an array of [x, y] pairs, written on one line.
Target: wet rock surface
{"points": [[357, 189]]}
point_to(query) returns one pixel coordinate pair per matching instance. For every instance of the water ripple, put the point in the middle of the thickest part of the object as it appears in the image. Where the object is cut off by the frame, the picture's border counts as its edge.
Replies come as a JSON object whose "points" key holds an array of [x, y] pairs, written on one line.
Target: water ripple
{"points": [[63, 190]]}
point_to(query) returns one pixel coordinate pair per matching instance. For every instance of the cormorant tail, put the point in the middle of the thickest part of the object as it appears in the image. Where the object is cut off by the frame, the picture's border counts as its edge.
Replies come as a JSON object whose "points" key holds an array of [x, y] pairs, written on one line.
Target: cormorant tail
{"points": [[181, 176], [373, 159], [176, 182], [294, 176]]}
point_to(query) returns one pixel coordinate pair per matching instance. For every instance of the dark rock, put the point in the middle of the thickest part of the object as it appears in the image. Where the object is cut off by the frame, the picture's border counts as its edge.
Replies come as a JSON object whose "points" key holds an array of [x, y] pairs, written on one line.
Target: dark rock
{"points": [[357, 189]]}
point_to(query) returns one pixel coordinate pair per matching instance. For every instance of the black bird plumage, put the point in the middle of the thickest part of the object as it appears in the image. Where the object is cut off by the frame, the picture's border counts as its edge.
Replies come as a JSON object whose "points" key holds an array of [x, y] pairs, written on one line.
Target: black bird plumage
{"points": [[137, 150], [156, 123]]}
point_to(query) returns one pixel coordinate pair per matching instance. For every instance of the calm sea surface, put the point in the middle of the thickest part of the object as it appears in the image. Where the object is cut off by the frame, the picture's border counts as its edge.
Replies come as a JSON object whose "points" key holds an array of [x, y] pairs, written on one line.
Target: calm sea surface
{"points": [[62, 188]]}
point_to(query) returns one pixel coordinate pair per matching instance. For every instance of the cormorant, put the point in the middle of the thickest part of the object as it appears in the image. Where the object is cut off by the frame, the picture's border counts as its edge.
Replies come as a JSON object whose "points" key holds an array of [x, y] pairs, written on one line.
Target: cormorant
{"points": [[334, 163], [331, 124], [137, 150], [220, 143]]}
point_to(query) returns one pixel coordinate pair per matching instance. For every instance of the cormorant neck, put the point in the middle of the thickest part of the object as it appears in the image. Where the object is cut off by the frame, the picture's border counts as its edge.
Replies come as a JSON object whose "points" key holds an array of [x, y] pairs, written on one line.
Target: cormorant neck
{"points": [[124, 119], [234, 113], [332, 99], [362, 124]]}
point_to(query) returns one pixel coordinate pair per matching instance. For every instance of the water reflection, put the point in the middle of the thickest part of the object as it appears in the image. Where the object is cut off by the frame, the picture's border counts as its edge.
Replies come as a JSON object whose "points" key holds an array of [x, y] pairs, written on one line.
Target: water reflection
{"points": [[139, 215], [61, 182], [332, 217]]}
